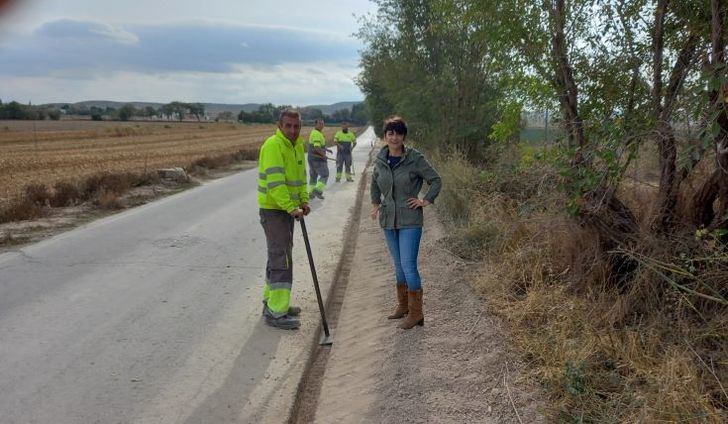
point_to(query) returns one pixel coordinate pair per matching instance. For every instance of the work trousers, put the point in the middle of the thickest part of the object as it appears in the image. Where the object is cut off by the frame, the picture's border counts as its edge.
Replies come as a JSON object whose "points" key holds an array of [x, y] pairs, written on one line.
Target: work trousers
{"points": [[343, 157], [318, 173], [278, 227]]}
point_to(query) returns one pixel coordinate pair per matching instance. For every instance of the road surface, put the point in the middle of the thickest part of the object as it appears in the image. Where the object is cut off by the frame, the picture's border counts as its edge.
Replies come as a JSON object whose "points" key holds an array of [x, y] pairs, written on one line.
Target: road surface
{"points": [[153, 315]]}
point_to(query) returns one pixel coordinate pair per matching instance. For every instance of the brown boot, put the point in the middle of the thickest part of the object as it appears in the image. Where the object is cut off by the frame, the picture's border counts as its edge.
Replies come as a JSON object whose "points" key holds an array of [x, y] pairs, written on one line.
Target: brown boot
{"points": [[414, 317], [401, 309]]}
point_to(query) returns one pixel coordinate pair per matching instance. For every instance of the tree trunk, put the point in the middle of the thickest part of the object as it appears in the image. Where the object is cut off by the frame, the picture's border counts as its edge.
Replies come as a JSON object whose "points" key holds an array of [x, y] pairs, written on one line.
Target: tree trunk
{"points": [[564, 78], [662, 108], [716, 187]]}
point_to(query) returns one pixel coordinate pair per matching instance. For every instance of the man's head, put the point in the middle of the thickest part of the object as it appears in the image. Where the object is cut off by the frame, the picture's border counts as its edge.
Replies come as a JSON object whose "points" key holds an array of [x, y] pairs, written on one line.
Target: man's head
{"points": [[345, 126], [289, 123], [319, 124]]}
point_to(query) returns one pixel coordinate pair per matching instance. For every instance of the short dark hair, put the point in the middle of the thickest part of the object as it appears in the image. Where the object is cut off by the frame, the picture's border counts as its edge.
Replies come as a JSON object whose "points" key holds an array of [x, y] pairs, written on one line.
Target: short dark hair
{"points": [[290, 113], [396, 124]]}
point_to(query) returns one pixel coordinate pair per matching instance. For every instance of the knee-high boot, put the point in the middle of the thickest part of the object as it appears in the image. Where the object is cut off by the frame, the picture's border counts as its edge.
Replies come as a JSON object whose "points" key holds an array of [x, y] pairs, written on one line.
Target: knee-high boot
{"points": [[401, 309], [414, 304]]}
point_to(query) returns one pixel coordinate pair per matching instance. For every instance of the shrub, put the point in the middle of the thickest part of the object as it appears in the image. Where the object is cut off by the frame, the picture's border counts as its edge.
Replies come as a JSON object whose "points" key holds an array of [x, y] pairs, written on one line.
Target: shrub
{"points": [[65, 194], [108, 200], [37, 194], [20, 210]]}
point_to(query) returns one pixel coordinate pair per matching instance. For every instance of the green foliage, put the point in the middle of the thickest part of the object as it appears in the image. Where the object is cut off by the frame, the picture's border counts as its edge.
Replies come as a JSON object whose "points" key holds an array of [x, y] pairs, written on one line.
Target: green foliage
{"points": [[423, 63], [269, 113], [509, 124], [126, 112], [15, 110]]}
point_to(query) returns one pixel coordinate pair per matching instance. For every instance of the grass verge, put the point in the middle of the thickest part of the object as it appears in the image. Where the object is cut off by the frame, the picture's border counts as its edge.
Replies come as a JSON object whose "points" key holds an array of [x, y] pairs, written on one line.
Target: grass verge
{"points": [[654, 351]]}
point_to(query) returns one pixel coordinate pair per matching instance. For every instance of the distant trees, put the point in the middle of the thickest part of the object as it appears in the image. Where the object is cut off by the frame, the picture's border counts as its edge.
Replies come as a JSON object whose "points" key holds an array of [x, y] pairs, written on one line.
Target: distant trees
{"points": [[268, 114], [15, 110], [126, 112]]}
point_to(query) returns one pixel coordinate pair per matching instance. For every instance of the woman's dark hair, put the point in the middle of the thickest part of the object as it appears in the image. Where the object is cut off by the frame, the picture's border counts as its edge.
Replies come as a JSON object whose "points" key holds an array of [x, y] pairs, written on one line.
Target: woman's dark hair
{"points": [[395, 124]]}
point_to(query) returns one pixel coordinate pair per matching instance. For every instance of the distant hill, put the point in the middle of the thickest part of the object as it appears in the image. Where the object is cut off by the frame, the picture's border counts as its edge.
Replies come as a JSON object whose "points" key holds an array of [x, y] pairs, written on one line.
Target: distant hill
{"points": [[329, 109], [212, 109]]}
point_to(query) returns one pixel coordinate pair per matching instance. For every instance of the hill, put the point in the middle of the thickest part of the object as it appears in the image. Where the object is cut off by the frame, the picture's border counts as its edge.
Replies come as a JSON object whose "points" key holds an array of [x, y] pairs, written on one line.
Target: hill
{"points": [[212, 109]]}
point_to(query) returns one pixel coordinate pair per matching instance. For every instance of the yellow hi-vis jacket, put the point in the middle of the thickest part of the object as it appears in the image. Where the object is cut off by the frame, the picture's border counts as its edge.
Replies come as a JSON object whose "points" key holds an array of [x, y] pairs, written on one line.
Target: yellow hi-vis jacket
{"points": [[281, 174], [345, 137]]}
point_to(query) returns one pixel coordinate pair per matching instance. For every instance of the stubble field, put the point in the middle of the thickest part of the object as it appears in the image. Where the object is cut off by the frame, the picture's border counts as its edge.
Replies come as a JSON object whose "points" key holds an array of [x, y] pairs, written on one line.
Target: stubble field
{"points": [[47, 152]]}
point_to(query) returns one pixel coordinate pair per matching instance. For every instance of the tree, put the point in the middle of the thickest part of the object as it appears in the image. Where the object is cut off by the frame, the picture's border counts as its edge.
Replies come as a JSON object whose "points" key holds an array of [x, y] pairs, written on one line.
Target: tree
{"points": [[126, 112], [197, 109]]}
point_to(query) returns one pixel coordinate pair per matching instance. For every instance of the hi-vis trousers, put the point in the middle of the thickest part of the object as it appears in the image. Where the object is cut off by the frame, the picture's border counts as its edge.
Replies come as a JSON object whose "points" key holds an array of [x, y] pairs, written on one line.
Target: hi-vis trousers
{"points": [[278, 227]]}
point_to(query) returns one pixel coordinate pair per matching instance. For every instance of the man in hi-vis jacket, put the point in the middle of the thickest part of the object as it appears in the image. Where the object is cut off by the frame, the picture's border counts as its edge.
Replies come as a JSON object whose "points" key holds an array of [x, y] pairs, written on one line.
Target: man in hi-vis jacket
{"points": [[282, 198]]}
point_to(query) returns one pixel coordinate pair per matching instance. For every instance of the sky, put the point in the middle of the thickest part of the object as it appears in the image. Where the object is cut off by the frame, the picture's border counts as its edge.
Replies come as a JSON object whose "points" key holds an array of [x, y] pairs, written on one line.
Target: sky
{"points": [[212, 51]]}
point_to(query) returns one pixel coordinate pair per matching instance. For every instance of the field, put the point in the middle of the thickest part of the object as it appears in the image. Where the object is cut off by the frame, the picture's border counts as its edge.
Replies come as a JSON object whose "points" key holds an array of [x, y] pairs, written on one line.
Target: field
{"points": [[46, 152]]}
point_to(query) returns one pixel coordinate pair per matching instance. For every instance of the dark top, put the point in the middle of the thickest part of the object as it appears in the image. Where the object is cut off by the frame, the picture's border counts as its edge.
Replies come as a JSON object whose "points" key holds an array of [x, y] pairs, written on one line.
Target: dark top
{"points": [[393, 160]]}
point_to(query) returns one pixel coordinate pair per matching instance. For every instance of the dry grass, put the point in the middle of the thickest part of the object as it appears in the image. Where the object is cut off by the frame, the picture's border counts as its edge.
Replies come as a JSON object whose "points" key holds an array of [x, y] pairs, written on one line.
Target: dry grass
{"points": [[47, 152], [651, 352]]}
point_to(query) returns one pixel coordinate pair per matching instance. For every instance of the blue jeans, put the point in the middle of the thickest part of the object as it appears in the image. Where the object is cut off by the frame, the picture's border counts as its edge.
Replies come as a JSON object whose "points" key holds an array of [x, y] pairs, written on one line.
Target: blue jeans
{"points": [[404, 245]]}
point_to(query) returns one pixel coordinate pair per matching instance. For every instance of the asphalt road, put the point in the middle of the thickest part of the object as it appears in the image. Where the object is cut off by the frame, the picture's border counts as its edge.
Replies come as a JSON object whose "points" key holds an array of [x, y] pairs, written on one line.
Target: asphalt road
{"points": [[153, 314]]}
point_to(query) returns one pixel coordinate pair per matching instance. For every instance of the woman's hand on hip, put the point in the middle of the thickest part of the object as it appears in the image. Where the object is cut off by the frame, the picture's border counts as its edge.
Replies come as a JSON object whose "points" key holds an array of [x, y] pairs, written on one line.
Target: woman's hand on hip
{"points": [[414, 202]]}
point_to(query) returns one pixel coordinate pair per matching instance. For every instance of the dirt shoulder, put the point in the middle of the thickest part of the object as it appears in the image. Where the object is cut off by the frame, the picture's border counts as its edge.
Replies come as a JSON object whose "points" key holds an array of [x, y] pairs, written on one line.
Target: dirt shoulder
{"points": [[457, 368]]}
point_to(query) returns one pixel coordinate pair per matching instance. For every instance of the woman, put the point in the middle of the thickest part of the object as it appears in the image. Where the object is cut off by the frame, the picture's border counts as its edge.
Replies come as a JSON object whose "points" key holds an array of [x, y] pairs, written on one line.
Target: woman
{"points": [[397, 178]]}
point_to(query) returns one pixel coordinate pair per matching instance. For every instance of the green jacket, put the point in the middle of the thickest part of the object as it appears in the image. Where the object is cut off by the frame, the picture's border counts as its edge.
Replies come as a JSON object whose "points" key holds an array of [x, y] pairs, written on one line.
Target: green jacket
{"points": [[391, 188], [281, 174]]}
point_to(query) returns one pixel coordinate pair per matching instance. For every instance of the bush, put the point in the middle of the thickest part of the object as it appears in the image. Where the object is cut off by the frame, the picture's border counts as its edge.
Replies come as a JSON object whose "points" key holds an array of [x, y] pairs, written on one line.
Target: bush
{"points": [[65, 194], [37, 194], [108, 200], [20, 210]]}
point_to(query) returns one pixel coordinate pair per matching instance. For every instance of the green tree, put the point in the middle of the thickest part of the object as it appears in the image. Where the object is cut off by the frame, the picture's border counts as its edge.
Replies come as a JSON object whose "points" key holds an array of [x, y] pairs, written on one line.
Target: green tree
{"points": [[126, 112]]}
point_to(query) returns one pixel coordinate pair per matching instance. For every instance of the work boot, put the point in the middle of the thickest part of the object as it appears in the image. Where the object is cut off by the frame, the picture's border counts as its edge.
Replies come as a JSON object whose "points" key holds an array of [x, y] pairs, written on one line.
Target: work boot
{"points": [[401, 309], [414, 304], [293, 311], [351, 180], [286, 322], [338, 180], [318, 194]]}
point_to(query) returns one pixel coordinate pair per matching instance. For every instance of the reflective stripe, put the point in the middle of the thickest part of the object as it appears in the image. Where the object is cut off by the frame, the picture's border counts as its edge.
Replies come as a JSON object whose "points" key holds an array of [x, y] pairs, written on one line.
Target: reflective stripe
{"points": [[262, 189], [297, 183], [262, 176], [274, 184], [275, 170], [279, 286]]}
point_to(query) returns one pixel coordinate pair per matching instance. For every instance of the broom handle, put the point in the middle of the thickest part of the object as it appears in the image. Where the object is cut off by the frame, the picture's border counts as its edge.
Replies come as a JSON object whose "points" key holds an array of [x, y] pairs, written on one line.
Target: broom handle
{"points": [[315, 278]]}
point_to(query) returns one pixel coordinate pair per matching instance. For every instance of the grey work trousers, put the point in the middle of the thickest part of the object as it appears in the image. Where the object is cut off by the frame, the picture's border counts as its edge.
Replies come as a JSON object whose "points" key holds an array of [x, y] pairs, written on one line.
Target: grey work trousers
{"points": [[343, 157], [278, 227]]}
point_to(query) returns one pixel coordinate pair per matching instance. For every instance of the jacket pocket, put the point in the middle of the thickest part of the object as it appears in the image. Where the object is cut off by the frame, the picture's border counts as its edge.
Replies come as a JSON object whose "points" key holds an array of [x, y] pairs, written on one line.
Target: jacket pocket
{"points": [[408, 217], [383, 215]]}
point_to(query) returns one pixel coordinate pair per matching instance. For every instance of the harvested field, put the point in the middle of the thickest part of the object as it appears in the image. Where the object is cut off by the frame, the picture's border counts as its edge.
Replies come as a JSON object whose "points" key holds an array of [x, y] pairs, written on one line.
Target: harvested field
{"points": [[46, 152]]}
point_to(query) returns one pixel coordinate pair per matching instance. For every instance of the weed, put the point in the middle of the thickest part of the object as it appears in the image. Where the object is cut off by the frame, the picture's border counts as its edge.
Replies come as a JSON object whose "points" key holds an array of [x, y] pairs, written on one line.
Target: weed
{"points": [[65, 194], [37, 194], [108, 200], [21, 209]]}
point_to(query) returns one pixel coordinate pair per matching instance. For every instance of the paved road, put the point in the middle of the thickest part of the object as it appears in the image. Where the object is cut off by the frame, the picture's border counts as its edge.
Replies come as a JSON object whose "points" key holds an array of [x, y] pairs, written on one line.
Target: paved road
{"points": [[153, 314]]}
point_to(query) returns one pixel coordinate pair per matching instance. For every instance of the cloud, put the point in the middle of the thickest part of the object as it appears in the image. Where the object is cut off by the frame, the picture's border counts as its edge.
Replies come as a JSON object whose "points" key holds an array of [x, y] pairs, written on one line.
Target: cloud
{"points": [[68, 28], [286, 83], [186, 47], [70, 60]]}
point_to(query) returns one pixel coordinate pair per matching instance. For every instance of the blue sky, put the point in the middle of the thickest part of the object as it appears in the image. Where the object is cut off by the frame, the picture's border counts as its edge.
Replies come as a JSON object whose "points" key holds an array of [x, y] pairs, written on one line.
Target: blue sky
{"points": [[223, 51]]}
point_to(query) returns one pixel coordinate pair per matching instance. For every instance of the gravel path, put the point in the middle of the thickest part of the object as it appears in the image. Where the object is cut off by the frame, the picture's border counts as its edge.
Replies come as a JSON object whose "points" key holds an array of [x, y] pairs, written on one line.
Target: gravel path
{"points": [[457, 368]]}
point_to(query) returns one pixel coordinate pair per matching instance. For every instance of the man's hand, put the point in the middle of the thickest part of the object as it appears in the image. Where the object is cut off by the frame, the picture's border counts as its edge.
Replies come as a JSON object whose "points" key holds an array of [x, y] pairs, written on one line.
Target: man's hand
{"points": [[375, 211], [297, 213], [414, 202], [306, 209]]}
